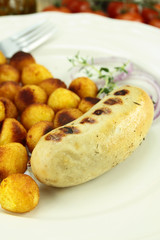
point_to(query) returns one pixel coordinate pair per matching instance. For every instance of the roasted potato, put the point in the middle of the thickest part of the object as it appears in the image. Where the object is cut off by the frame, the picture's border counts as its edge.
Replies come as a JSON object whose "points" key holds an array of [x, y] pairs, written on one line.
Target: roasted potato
{"points": [[65, 116], [9, 73], [86, 103], [9, 89], [34, 74], [19, 193], [21, 59], [2, 111], [10, 108], [36, 112], [63, 98], [12, 131], [3, 59], [29, 94], [13, 159], [51, 84], [84, 87], [36, 132]]}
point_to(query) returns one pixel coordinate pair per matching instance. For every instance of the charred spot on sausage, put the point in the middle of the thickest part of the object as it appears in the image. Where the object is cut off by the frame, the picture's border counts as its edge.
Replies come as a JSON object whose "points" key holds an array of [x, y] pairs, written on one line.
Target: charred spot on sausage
{"points": [[122, 92], [102, 111], [70, 130], [57, 137], [113, 101], [88, 120]]}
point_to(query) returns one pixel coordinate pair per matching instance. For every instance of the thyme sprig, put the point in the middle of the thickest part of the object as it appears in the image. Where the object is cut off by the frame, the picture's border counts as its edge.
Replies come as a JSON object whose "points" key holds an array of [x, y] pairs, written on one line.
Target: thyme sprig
{"points": [[90, 69]]}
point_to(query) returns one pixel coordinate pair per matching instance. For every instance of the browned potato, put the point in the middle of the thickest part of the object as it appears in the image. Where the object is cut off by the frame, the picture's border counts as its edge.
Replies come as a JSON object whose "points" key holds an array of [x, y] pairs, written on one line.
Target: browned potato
{"points": [[12, 131], [84, 87], [63, 98], [51, 84], [10, 108], [3, 59], [34, 74], [65, 116], [21, 59], [36, 112], [86, 103], [2, 111], [36, 132], [8, 73], [19, 193], [13, 159], [29, 94], [9, 89]]}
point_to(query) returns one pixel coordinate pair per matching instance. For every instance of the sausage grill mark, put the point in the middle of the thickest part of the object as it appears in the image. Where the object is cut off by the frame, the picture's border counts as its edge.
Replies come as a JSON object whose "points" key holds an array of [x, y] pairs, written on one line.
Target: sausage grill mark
{"points": [[102, 111], [113, 101], [57, 137], [88, 120], [122, 92], [70, 130]]}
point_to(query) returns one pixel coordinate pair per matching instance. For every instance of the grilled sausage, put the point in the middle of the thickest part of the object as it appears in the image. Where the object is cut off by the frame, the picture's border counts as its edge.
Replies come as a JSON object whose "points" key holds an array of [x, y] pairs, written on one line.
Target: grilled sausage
{"points": [[97, 141]]}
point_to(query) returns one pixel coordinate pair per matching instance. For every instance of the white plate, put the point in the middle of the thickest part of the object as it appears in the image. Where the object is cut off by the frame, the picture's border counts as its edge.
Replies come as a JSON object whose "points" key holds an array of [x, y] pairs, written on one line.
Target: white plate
{"points": [[123, 204]]}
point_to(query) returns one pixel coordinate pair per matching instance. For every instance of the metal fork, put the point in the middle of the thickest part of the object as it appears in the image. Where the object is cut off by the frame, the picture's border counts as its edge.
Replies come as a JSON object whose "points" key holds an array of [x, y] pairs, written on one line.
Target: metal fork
{"points": [[28, 39]]}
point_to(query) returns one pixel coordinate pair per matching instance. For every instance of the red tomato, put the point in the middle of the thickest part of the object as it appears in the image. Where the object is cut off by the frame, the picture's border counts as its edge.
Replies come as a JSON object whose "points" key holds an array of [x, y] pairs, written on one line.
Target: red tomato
{"points": [[155, 22], [130, 16], [58, 9], [78, 6], [98, 12], [148, 14], [116, 8]]}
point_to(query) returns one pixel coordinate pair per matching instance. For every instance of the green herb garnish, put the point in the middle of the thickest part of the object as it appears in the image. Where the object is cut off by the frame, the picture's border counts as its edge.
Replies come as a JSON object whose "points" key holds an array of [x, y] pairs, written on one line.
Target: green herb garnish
{"points": [[92, 71]]}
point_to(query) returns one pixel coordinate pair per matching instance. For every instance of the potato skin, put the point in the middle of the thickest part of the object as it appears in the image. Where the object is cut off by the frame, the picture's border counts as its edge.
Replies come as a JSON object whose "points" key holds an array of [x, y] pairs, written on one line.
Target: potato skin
{"points": [[95, 142], [3, 59], [13, 159], [10, 108], [34, 74], [2, 111], [63, 98], [29, 94], [86, 103], [36, 112], [36, 132], [9, 89], [12, 131], [8, 73], [21, 59], [65, 116], [51, 84], [19, 193], [84, 87]]}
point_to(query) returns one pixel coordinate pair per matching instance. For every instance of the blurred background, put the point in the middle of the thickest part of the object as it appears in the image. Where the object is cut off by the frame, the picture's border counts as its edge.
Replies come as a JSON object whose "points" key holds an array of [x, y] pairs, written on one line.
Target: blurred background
{"points": [[145, 11]]}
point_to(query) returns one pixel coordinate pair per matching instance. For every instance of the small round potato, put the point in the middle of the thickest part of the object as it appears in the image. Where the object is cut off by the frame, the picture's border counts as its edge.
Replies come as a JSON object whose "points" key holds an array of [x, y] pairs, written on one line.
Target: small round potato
{"points": [[8, 73], [34, 74], [84, 87], [3, 59], [10, 108], [12, 131], [29, 94], [2, 111], [9, 89], [19, 193], [65, 116], [87, 102], [21, 59], [51, 84], [13, 159], [36, 132], [63, 98], [36, 112]]}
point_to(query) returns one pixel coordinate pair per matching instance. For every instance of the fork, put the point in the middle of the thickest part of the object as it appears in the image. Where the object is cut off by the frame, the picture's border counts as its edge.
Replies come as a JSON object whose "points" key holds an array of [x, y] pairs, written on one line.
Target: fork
{"points": [[28, 39]]}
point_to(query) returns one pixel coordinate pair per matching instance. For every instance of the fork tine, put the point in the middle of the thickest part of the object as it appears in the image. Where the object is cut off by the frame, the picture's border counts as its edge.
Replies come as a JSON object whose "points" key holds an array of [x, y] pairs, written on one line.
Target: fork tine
{"points": [[38, 39], [27, 30], [32, 33]]}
